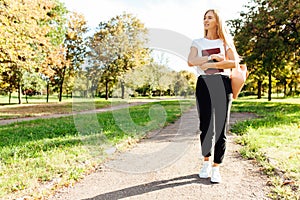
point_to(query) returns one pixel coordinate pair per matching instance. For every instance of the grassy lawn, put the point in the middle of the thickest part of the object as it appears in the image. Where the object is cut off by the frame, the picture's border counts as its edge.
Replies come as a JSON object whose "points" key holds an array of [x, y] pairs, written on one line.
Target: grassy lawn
{"points": [[38, 156], [273, 139], [40, 108], [4, 99]]}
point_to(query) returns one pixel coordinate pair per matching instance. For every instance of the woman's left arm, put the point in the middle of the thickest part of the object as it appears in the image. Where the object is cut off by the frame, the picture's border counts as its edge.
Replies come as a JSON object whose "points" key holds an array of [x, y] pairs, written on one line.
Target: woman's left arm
{"points": [[230, 62]]}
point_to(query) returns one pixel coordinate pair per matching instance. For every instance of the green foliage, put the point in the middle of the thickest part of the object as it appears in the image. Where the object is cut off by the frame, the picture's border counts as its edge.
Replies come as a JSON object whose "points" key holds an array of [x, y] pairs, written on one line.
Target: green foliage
{"points": [[159, 80], [57, 21], [116, 47], [38, 38], [23, 39], [273, 140], [267, 36], [73, 52], [31, 31]]}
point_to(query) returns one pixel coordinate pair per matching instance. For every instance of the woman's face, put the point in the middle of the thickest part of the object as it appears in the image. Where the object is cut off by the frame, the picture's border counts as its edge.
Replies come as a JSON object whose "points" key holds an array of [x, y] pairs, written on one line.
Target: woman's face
{"points": [[210, 21]]}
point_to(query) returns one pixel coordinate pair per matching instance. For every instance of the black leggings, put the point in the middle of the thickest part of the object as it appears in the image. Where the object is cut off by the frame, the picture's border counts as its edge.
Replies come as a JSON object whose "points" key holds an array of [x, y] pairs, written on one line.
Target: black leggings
{"points": [[214, 97]]}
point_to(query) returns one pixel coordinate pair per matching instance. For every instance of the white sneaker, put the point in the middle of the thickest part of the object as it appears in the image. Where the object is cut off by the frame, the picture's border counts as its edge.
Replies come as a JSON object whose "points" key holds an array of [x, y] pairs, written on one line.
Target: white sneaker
{"points": [[215, 175], [205, 170]]}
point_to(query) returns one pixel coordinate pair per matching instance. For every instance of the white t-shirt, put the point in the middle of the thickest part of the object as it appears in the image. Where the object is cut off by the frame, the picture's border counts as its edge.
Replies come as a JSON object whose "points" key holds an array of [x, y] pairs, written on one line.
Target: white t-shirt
{"points": [[204, 44]]}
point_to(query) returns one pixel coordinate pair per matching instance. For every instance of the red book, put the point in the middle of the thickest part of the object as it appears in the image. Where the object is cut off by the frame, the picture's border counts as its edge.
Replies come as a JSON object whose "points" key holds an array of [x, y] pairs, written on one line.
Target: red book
{"points": [[208, 52]]}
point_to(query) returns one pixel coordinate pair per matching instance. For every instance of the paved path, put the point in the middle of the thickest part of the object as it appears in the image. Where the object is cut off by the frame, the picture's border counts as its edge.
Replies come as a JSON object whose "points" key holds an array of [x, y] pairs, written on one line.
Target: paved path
{"points": [[165, 166]]}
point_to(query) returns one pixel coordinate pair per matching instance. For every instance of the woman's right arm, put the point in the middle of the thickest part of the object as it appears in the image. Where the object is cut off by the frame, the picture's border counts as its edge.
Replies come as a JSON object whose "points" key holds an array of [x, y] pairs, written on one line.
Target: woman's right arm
{"points": [[194, 59]]}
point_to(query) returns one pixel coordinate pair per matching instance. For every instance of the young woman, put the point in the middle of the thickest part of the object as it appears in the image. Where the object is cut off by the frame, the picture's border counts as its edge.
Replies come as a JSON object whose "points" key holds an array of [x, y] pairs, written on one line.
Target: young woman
{"points": [[213, 56]]}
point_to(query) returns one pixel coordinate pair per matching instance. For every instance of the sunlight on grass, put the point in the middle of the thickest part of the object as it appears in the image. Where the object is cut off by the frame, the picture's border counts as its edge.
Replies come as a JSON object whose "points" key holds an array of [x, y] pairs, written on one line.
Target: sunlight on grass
{"points": [[273, 139], [41, 155]]}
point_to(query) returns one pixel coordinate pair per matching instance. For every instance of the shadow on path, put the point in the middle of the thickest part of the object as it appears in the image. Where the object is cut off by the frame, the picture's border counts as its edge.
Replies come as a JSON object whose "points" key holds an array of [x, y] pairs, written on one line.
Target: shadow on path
{"points": [[152, 186]]}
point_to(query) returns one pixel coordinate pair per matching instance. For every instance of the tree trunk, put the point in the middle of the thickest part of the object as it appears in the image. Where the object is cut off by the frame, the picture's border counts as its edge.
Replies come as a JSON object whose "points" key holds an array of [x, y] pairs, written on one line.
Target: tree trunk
{"points": [[9, 97], [93, 93], [47, 92], [291, 93], [60, 91], [284, 90], [106, 90], [19, 93], [270, 86], [61, 84], [259, 85], [123, 89]]}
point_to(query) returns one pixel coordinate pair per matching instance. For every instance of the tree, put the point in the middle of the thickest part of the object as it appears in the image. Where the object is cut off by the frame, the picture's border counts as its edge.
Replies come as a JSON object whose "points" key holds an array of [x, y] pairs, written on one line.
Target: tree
{"points": [[267, 36], [56, 61], [23, 39], [74, 50], [156, 79], [33, 32], [116, 47], [32, 84], [185, 83]]}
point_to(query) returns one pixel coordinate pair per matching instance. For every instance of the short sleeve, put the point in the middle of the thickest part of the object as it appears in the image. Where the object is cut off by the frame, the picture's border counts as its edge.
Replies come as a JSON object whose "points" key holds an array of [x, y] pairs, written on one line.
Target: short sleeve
{"points": [[227, 47], [194, 44]]}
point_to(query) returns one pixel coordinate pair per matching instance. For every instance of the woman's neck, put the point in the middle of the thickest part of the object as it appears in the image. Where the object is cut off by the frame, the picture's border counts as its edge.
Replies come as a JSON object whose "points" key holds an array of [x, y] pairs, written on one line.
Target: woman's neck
{"points": [[211, 36]]}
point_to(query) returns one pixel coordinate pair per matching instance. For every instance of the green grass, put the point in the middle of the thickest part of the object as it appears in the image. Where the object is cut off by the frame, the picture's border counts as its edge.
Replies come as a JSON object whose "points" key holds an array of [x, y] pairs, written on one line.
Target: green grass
{"points": [[4, 100], [273, 139], [60, 151]]}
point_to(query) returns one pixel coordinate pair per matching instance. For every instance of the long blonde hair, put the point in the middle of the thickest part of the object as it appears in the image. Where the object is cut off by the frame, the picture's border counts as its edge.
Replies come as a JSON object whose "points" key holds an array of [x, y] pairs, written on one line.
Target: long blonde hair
{"points": [[222, 31]]}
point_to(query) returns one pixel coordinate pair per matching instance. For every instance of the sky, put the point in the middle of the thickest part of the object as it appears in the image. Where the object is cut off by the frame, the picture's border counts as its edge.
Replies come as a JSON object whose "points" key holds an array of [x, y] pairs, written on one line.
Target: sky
{"points": [[181, 17]]}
